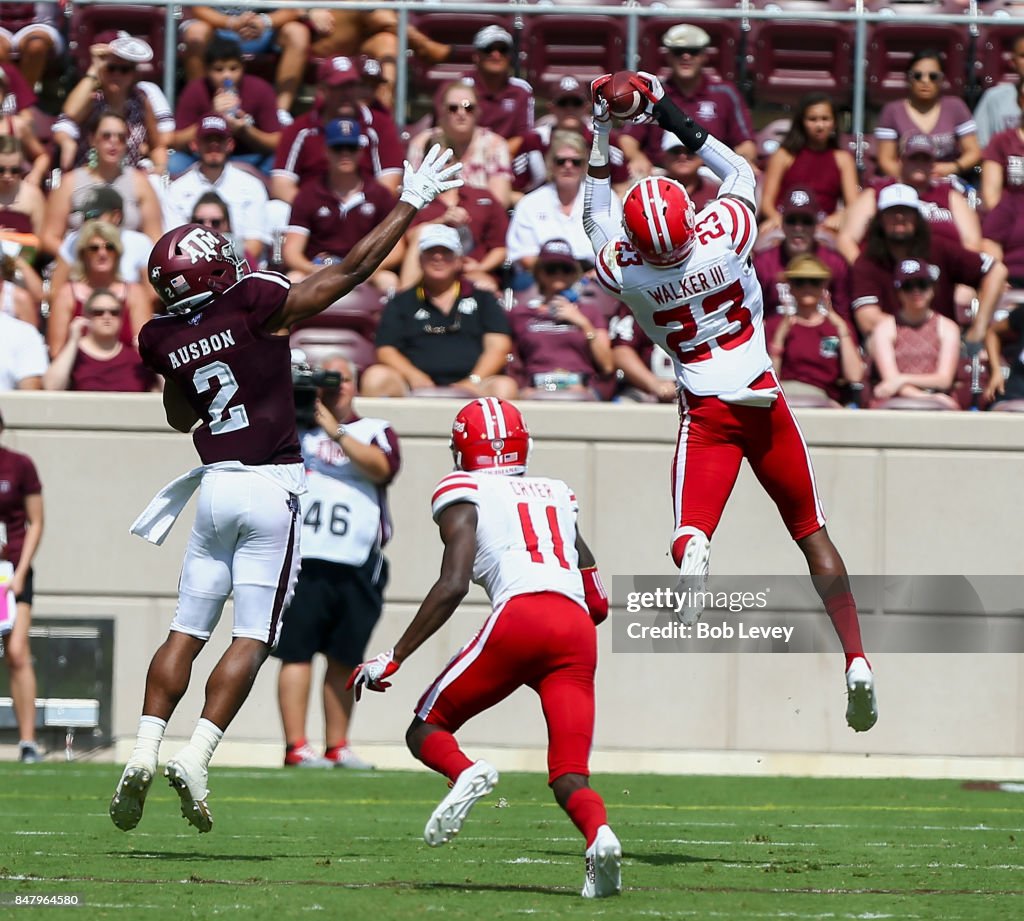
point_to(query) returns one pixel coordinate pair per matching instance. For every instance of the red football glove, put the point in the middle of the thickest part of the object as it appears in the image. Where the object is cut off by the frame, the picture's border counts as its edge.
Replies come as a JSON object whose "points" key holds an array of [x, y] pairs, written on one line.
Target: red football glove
{"points": [[600, 110], [371, 675], [651, 87], [597, 597]]}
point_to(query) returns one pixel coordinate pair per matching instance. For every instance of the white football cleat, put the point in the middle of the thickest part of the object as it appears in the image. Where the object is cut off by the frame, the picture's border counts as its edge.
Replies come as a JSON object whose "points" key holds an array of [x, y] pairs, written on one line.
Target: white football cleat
{"points": [[473, 784], [348, 759], [861, 706], [604, 863], [130, 796], [189, 782], [693, 573]]}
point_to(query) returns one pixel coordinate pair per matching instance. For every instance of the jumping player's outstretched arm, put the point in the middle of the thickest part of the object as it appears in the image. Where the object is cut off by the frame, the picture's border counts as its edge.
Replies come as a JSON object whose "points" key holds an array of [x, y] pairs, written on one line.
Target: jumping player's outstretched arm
{"points": [[734, 171], [598, 221], [419, 187]]}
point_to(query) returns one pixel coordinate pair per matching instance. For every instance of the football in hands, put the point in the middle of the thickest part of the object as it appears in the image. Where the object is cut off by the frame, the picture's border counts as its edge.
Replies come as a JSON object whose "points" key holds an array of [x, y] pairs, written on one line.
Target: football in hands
{"points": [[625, 100]]}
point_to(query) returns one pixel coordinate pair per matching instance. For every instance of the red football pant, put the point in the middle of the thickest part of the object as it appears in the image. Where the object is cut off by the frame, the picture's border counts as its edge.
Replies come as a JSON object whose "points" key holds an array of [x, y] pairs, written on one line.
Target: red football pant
{"points": [[543, 641], [714, 437]]}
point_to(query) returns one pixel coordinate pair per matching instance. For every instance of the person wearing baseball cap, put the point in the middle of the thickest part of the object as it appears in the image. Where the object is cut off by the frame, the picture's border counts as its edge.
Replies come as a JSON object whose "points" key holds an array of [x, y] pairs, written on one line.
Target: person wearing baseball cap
{"points": [[442, 331], [915, 352], [717, 104], [800, 216], [505, 101], [685, 168], [331, 215], [943, 205], [899, 231], [244, 194]]}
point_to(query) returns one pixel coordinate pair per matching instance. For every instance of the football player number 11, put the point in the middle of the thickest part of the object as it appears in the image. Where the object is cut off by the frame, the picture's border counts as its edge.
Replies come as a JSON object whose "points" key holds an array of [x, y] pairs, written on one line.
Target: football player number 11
{"points": [[533, 541], [221, 422]]}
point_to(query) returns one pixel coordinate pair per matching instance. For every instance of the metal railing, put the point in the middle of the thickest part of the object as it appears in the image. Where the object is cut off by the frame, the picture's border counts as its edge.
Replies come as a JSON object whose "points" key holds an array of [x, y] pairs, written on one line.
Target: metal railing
{"points": [[971, 19]]}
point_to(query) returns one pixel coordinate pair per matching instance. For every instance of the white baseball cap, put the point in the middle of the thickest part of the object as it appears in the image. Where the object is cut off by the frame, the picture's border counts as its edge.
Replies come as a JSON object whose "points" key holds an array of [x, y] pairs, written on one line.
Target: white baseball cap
{"points": [[129, 48], [440, 235], [899, 195]]}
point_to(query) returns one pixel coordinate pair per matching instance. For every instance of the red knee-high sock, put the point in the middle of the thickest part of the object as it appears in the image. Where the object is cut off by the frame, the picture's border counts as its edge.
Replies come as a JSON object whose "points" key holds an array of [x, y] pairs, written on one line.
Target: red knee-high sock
{"points": [[441, 753], [586, 809], [842, 610]]}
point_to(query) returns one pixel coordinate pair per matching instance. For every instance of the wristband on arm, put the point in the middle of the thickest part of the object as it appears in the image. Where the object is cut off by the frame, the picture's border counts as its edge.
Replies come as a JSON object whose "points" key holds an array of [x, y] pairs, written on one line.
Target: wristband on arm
{"points": [[597, 597], [692, 134]]}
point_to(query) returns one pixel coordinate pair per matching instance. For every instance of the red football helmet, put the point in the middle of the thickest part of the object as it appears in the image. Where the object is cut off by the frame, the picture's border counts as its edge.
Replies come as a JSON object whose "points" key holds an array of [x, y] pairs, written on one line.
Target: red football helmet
{"points": [[658, 217], [191, 264], [490, 434]]}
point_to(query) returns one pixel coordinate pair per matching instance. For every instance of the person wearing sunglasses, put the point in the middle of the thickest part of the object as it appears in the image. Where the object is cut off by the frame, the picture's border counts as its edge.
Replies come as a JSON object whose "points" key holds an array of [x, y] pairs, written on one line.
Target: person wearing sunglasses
{"points": [[441, 333], [65, 204], [111, 84], [813, 349], [800, 216], [95, 359], [569, 111], [562, 342], [505, 101], [96, 266], [943, 205], [809, 156], [485, 158], [915, 352], [926, 110], [20, 126], [716, 103], [555, 210], [245, 195]]}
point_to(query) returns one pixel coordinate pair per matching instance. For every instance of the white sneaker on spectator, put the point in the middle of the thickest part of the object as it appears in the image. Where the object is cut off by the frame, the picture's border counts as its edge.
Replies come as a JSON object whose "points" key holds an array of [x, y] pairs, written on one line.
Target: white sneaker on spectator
{"points": [[604, 862], [189, 781], [305, 757], [130, 795], [861, 705], [348, 759], [28, 753], [473, 784]]}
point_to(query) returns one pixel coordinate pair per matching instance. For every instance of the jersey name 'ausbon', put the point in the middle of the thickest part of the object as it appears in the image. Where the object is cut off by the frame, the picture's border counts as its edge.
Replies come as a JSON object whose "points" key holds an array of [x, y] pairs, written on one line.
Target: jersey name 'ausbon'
{"points": [[707, 312], [525, 533]]}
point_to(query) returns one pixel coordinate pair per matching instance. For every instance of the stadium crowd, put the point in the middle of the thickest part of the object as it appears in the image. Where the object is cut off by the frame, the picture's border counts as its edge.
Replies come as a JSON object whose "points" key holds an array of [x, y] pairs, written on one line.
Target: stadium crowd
{"points": [[872, 265]]}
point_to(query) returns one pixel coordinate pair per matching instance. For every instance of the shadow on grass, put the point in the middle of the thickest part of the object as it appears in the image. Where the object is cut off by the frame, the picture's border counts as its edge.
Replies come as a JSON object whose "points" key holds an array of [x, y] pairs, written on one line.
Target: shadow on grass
{"points": [[492, 887], [191, 856]]}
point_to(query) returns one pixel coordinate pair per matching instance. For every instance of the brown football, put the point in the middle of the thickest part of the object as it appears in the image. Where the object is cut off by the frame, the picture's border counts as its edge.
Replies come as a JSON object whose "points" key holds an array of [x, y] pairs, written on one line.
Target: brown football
{"points": [[623, 98]]}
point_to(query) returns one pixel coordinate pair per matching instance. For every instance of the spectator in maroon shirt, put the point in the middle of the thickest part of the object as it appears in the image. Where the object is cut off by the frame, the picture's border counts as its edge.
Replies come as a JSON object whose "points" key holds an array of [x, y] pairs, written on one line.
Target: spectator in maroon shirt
{"points": [[329, 217], [94, 358], [21, 529], [570, 111], [812, 348], [713, 102], [943, 205], [344, 91], [800, 217], [563, 344], [506, 101], [685, 167], [899, 232], [648, 371], [245, 102]]}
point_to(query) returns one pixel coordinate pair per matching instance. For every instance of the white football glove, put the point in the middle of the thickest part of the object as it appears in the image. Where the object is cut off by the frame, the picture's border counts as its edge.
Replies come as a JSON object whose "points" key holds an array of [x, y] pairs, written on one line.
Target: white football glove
{"points": [[602, 122], [654, 92], [421, 186], [371, 675]]}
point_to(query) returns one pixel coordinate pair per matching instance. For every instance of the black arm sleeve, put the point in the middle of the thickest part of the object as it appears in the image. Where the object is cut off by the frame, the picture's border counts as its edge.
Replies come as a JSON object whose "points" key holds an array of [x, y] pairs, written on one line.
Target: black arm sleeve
{"points": [[668, 115]]}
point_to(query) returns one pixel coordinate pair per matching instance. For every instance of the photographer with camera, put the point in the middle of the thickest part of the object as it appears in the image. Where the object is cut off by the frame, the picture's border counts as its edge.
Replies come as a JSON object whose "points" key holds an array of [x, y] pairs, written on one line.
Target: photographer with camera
{"points": [[345, 523]]}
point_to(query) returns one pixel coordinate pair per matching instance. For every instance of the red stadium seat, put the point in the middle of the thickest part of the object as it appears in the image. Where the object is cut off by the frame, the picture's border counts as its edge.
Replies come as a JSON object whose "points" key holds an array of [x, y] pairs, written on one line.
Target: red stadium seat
{"points": [[145, 22], [993, 47], [556, 45], [769, 138], [318, 343], [892, 44], [795, 56], [359, 311], [457, 30], [726, 37]]}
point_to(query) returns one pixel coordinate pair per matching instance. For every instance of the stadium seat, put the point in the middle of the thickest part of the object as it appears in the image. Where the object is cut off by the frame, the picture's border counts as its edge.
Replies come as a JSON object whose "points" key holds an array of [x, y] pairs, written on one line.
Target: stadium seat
{"points": [[145, 22], [557, 45], [318, 343], [769, 138], [457, 30], [726, 37], [359, 311], [794, 56], [992, 48], [892, 44]]}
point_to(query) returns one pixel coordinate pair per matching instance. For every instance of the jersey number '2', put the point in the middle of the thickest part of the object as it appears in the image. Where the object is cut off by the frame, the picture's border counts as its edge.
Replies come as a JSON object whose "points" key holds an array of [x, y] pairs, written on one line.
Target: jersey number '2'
{"points": [[220, 422]]}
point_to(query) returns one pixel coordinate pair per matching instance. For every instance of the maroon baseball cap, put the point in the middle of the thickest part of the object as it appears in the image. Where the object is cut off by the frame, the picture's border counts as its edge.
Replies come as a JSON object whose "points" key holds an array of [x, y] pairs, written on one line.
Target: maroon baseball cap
{"points": [[799, 200], [337, 71], [212, 126], [557, 251], [911, 269]]}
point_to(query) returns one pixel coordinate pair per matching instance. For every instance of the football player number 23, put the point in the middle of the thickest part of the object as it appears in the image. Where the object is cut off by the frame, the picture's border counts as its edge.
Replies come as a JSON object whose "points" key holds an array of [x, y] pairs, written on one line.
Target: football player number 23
{"points": [[731, 300], [221, 422]]}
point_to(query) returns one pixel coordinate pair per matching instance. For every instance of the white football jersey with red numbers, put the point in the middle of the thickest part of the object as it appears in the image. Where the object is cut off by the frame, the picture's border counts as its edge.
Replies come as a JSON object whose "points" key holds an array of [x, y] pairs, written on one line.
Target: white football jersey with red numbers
{"points": [[525, 533], [707, 312]]}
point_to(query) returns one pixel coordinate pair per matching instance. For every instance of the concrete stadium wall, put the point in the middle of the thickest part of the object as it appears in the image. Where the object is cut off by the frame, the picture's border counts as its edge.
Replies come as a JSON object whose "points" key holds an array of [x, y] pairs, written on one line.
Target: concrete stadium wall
{"points": [[905, 493]]}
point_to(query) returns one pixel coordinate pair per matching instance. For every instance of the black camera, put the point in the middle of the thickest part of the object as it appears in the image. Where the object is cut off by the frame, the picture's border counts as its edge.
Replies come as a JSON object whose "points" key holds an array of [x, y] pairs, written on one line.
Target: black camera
{"points": [[305, 385]]}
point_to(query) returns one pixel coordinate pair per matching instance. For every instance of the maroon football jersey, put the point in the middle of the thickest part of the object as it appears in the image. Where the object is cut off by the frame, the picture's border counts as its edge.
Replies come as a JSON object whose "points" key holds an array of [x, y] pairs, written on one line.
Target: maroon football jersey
{"points": [[234, 375]]}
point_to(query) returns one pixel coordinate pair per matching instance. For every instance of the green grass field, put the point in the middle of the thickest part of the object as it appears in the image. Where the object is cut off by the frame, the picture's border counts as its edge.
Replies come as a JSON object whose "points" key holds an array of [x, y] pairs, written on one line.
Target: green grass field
{"points": [[289, 844]]}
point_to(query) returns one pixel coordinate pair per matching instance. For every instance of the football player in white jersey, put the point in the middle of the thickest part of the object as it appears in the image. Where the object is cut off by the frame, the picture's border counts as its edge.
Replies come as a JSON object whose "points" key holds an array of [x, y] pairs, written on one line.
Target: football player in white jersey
{"points": [[689, 281], [516, 536]]}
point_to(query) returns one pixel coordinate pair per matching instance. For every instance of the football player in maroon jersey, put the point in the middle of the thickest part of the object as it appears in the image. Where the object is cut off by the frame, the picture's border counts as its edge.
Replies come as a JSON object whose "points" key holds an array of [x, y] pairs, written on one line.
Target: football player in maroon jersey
{"points": [[223, 350]]}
